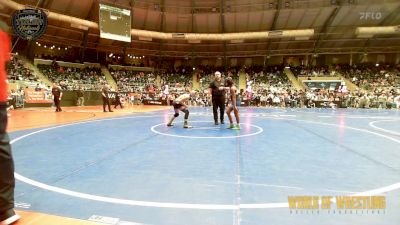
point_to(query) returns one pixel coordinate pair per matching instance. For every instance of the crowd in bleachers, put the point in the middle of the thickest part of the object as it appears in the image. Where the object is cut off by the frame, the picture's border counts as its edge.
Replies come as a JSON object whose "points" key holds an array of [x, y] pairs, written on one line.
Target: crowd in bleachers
{"points": [[132, 81], [379, 85], [18, 72], [312, 71], [71, 78], [373, 78], [265, 86], [205, 74], [179, 77], [269, 79], [23, 78]]}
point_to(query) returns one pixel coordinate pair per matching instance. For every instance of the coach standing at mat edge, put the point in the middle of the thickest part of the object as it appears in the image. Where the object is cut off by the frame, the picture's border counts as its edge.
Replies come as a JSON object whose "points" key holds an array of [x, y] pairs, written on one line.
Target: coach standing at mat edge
{"points": [[217, 97], [7, 180]]}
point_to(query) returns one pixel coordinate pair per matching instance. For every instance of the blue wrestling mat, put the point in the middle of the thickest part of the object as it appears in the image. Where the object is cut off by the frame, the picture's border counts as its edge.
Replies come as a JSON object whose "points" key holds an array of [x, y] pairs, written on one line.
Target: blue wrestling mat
{"points": [[136, 170]]}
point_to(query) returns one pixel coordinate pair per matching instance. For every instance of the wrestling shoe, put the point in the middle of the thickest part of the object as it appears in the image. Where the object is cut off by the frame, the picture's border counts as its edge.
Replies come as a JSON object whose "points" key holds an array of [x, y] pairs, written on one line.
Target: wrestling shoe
{"points": [[185, 125], [11, 219], [237, 127]]}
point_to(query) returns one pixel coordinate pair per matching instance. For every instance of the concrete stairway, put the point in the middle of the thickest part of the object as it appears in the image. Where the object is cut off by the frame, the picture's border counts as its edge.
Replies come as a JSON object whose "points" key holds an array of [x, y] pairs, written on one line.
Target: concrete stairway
{"points": [[350, 85], [43, 78], [295, 82], [242, 81], [195, 82], [110, 80]]}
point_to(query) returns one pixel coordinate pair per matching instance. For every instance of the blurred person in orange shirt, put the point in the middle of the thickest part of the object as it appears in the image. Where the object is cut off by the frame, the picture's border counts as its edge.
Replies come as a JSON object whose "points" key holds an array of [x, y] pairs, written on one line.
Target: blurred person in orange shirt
{"points": [[7, 180]]}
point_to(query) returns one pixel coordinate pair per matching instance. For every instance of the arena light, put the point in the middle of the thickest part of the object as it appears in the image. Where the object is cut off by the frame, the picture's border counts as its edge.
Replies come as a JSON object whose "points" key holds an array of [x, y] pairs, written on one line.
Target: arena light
{"points": [[178, 35], [360, 31], [305, 38], [225, 36]]}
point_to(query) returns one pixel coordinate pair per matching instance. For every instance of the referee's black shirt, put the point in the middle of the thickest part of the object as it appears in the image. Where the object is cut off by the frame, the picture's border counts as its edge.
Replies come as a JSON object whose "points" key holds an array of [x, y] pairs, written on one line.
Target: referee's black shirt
{"points": [[215, 89]]}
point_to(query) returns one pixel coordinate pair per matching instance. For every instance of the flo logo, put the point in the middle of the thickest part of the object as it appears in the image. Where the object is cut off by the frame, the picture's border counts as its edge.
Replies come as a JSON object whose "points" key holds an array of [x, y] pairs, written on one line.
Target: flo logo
{"points": [[29, 24], [370, 15]]}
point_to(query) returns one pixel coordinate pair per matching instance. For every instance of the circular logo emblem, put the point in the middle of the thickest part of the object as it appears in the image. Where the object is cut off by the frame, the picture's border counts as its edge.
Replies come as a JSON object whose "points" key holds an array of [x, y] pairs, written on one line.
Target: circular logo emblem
{"points": [[29, 24]]}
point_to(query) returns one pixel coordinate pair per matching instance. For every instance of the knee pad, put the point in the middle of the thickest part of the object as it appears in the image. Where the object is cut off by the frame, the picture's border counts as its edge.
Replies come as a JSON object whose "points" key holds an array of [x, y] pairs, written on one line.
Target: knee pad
{"points": [[176, 114]]}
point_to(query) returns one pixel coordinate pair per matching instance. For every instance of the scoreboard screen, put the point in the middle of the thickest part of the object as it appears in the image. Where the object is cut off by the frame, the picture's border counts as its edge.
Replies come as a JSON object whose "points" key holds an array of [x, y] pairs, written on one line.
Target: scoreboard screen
{"points": [[115, 23]]}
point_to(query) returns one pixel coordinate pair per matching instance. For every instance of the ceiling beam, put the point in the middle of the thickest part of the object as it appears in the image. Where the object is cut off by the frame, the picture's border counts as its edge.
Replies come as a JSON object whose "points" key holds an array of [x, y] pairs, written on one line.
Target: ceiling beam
{"points": [[44, 4], [94, 10], [292, 52], [393, 15], [201, 46], [222, 28], [322, 34], [162, 28], [273, 26], [193, 29], [384, 22]]}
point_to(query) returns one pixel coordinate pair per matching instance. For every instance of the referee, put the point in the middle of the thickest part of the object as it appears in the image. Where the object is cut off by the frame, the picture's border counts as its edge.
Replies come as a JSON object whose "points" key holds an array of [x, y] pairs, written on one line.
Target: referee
{"points": [[106, 98], [218, 97]]}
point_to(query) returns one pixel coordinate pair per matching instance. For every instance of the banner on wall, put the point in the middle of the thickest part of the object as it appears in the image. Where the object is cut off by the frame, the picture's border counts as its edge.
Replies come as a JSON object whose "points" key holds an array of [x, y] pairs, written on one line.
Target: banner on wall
{"points": [[322, 84], [32, 96]]}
